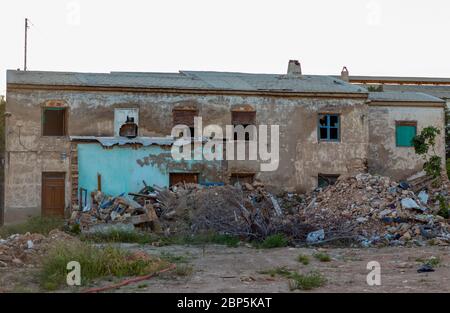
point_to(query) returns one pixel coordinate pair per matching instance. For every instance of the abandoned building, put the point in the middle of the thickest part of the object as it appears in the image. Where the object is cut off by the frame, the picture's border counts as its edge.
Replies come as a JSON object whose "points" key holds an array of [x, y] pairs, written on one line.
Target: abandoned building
{"points": [[68, 134]]}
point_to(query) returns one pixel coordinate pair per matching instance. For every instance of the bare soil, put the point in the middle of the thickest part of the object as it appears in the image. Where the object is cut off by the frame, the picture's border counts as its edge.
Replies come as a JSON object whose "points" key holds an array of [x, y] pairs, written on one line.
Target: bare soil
{"points": [[222, 269]]}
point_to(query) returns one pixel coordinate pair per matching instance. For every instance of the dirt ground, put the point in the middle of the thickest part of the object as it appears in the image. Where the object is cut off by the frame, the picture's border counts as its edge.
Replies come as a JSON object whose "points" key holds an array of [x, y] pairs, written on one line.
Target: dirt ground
{"points": [[221, 269]]}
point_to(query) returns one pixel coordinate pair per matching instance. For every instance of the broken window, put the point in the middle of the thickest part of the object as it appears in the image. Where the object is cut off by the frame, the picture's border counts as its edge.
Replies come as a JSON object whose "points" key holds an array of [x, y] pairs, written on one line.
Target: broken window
{"points": [[183, 178], [243, 118], [405, 131], [242, 178], [122, 115], [54, 122], [185, 116], [324, 180], [329, 127]]}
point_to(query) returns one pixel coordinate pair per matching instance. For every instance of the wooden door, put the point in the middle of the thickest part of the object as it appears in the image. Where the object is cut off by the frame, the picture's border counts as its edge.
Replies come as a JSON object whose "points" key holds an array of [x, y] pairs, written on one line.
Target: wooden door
{"points": [[176, 178], [53, 199]]}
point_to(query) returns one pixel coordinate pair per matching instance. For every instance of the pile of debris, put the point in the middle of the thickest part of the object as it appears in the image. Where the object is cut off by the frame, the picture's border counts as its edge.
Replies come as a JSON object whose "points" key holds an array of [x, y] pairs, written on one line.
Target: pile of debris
{"points": [[365, 208], [133, 209], [375, 209], [247, 211], [25, 249]]}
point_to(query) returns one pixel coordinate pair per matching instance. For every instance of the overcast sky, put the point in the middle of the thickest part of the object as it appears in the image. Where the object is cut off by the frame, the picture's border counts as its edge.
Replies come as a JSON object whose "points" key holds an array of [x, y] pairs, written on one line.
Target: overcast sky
{"points": [[370, 37]]}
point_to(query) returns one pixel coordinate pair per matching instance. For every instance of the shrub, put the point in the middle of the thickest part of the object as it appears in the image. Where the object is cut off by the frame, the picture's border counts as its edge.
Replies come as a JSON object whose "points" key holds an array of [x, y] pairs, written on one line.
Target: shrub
{"points": [[273, 241], [306, 281], [443, 207], [94, 262], [304, 259], [280, 271], [322, 257]]}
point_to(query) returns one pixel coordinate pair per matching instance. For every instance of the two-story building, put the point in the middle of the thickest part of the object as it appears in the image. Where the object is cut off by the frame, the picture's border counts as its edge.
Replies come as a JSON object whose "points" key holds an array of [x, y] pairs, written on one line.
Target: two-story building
{"points": [[63, 132]]}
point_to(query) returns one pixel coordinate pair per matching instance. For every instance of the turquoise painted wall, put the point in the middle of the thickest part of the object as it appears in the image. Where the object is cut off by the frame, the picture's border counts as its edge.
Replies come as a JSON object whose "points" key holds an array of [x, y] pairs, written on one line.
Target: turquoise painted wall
{"points": [[123, 168]]}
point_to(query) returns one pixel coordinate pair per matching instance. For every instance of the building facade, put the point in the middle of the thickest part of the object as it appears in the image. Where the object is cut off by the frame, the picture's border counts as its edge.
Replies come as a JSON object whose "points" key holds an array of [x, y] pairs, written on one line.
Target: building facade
{"points": [[63, 132]]}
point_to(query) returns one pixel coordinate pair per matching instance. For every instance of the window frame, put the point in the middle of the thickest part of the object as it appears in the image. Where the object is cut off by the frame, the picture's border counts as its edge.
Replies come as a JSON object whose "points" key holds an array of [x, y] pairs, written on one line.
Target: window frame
{"points": [[65, 120], [328, 127], [404, 123]]}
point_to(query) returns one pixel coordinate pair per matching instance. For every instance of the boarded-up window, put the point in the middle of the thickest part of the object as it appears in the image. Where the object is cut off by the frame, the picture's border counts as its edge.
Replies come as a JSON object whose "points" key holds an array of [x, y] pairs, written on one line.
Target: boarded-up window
{"points": [[405, 131], [324, 180], [185, 116], [244, 118], [54, 122], [186, 178], [242, 178]]}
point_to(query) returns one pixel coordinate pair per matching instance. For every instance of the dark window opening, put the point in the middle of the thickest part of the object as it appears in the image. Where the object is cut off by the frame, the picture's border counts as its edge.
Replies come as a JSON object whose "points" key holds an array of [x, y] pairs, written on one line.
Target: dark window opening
{"points": [[54, 122], [183, 178], [324, 180], [329, 127], [242, 178]]}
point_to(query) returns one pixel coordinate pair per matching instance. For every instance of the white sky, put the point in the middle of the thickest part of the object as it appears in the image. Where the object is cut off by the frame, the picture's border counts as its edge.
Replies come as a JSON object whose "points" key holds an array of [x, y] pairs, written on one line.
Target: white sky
{"points": [[370, 37]]}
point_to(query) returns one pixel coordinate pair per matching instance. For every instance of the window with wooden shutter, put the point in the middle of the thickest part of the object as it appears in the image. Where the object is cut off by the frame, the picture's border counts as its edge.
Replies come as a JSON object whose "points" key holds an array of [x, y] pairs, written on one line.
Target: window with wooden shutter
{"points": [[185, 116], [405, 131], [54, 121], [244, 116]]}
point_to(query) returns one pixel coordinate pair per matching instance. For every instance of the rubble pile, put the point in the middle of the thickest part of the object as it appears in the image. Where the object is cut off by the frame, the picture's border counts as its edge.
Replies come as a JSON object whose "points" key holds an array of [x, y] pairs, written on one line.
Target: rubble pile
{"points": [[24, 249], [375, 209], [365, 208], [247, 211], [123, 209]]}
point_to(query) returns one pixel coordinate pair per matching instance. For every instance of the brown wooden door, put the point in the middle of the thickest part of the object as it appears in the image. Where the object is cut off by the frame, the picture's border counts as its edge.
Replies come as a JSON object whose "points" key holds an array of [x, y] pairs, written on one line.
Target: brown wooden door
{"points": [[176, 178], [53, 200]]}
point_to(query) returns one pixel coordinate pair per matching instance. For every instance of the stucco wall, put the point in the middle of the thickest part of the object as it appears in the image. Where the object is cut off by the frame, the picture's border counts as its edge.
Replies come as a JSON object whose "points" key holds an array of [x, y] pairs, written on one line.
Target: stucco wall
{"points": [[123, 168], [385, 158], [302, 157]]}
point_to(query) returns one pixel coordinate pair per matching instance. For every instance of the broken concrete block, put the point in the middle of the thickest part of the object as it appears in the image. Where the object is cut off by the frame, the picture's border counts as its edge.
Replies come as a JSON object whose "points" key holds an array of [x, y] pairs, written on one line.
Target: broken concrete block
{"points": [[315, 236], [408, 203]]}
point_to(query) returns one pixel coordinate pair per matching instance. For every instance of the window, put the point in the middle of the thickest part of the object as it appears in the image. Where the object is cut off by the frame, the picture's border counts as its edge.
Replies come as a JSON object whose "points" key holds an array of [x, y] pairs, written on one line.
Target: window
{"points": [[185, 116], [242, 178], [121, 116], [54, 122], [329, 127], [243, 118], [404, 133], [324, 180]]}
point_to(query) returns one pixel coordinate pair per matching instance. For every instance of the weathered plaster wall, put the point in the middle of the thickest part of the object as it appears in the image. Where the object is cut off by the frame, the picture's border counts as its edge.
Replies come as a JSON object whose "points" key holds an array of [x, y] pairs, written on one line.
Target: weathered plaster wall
{"points": [[385, 158], [302, 157], [123, 168]]}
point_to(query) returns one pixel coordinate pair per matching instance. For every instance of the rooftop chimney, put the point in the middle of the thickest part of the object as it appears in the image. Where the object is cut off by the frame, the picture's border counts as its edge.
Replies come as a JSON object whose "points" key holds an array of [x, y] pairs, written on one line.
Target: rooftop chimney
{"points": [[344, 74], [294, 68]]}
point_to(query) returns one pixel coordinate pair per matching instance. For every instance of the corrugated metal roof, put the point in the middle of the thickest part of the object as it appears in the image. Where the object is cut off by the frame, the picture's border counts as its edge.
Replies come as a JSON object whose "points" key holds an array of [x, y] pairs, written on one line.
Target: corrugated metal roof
{"points": [[402, 79], [403, 96], [112, 141], [145, 141], [441, 91], [190, 80]]}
